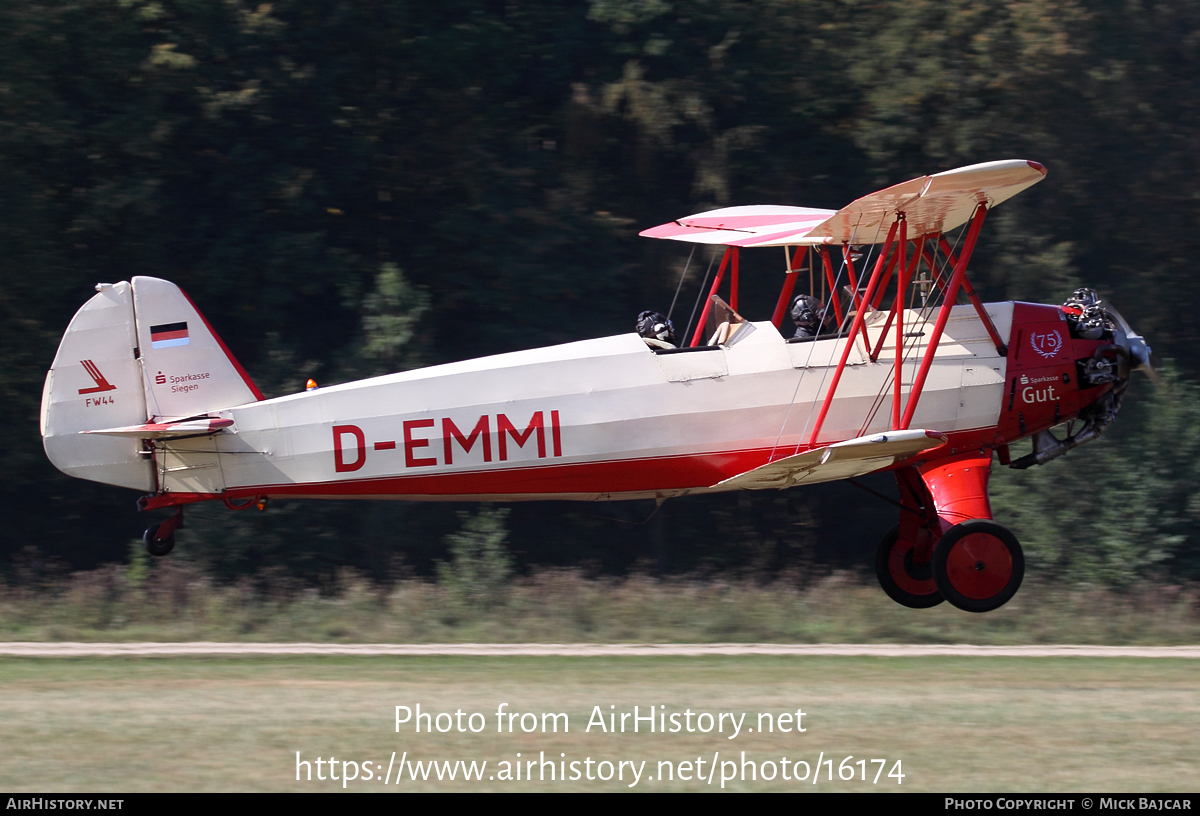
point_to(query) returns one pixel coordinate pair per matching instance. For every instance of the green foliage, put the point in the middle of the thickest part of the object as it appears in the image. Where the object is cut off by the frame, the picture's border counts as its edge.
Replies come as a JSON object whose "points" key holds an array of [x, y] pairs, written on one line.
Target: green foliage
{"points": [[1121, 511], [177, 602], [480, 573], [624, 14], [139, 563], [390, 315], [284, 161]]}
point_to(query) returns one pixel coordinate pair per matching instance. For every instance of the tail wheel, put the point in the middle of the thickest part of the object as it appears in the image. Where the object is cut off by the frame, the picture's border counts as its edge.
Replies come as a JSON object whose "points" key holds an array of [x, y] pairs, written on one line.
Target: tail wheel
{"points": [[155, 545], [905, 582], [978, 565]]}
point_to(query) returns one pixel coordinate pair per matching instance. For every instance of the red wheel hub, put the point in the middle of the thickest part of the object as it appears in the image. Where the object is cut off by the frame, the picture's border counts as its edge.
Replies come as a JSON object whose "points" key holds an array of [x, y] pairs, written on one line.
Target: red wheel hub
{"points": [[909, 575], [979, 565]]}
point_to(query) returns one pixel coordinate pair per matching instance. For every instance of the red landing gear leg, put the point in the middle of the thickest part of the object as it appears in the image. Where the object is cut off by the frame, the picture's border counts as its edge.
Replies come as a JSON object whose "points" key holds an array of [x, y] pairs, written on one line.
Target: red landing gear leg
{"points": [[977, 564], [160, 538], [904, 560]]}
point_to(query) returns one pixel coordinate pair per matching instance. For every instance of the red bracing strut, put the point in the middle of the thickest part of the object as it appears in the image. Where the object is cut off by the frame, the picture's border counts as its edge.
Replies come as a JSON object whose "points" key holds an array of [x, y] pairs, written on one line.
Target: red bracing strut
{"points": [[887, 278], [733, 281], [168, 527], [854, 329], [850, 276], [912, 268], [789, 284], [920, 526], [960, 270], [1001, 349], [906, 275], [708, 301], [833, 295], [898, 311], [880, 264]]}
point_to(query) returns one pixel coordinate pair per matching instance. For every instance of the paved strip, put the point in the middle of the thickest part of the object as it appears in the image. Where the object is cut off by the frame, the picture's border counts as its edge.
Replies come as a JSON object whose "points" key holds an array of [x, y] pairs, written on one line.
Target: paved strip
{"points": [[198, 649]]}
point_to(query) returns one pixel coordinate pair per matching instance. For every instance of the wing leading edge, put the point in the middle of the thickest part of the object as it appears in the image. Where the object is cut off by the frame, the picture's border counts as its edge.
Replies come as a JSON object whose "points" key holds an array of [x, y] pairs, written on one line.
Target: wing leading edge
{"points": [[842, 460], [931, 204]]}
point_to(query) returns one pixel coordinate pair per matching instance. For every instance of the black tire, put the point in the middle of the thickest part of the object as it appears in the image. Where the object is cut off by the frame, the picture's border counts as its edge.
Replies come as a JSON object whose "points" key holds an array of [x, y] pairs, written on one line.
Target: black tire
{"points": [[157, 548], [903, 581], [978, 565]]}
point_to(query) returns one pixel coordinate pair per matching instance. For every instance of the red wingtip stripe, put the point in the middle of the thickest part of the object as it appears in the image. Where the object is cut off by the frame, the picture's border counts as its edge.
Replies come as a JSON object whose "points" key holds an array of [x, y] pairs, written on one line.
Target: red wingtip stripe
{"points": [[1037, 166]]}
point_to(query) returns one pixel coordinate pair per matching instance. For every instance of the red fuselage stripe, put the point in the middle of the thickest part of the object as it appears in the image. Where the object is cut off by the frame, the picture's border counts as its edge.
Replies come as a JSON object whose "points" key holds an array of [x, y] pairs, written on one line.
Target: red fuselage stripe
{"points": [[633, 476]]}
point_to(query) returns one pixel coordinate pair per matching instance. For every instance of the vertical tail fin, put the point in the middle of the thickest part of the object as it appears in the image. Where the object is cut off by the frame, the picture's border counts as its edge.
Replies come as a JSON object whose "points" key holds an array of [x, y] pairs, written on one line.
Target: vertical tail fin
{"points": [[135, 352], [188, 369]]}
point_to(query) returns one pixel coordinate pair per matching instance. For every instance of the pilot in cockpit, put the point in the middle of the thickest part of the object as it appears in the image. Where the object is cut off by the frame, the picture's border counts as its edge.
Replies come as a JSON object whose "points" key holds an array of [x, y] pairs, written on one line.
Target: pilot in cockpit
{"points": [[656, 330], [806, 314]]}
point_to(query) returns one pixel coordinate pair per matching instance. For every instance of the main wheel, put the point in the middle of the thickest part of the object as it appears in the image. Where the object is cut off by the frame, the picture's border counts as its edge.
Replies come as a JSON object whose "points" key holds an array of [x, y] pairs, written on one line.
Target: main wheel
{"points": [[157, 548], [978, 565], [907, 583]]}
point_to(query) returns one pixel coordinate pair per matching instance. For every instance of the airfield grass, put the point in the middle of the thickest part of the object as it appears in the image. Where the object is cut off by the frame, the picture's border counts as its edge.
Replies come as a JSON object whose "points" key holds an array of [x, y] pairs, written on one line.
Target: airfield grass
{"points": [[169, 601], [956, 724]]}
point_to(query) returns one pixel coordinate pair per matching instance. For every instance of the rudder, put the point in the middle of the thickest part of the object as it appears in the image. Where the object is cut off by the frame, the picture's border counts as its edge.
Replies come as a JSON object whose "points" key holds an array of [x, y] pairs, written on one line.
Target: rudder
{"points": [[135, 353], [189, 371]]}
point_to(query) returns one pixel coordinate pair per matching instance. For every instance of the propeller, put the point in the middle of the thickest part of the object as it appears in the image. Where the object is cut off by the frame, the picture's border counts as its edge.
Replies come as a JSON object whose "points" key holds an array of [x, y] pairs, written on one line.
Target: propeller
{"points": [[1140, 355]]}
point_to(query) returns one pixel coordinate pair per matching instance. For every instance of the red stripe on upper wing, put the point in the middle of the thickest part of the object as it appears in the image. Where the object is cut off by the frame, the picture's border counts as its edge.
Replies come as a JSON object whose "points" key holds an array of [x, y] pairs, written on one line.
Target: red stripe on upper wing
{"points": [[748, 222], [752, 240]]}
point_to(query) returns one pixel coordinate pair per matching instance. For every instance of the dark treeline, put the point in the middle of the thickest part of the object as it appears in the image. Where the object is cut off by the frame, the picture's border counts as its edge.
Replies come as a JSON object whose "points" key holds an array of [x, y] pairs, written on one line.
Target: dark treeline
{"points": [[353, 187]]}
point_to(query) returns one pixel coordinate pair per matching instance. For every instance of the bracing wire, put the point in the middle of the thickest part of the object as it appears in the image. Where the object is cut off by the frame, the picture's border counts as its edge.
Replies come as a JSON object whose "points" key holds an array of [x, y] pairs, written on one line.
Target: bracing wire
{"points": [[680, 284], [903, 352], [832, 351], [918, 327], [812, 347], [800, 380], [847, 322], [699, 296]]}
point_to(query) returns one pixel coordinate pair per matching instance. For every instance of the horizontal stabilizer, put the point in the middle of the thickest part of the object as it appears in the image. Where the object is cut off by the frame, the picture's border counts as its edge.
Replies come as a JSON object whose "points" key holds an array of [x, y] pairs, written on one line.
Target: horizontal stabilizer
{"points": [[167, 430], [842, 460]]}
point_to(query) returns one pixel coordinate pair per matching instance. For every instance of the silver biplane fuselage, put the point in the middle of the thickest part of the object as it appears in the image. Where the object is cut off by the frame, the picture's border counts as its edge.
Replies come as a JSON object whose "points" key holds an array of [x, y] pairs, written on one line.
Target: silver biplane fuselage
{"points": [[596, 419], [143, 394]]}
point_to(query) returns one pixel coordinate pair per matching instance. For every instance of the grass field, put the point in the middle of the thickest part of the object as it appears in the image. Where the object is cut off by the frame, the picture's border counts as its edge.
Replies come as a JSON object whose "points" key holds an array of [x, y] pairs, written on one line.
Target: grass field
{"points": [[956, 724], [173, 602]]}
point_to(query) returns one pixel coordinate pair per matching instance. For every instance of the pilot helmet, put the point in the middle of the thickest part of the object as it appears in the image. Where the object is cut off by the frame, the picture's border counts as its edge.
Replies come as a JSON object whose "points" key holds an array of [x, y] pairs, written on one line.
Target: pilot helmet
{"points": [[1085, 314], [654, 325], [1083, 298], [806, 313]]}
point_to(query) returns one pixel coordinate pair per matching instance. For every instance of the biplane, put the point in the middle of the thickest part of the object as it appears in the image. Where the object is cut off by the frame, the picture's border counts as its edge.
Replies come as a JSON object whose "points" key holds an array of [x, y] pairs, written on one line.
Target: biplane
{"points": [[908, 372]]}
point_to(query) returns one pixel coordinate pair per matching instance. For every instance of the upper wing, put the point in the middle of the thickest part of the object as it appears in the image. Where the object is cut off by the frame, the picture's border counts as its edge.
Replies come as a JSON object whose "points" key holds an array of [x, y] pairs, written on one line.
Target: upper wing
{"points": [[744, 226], [842, 460], [931, 204]]}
